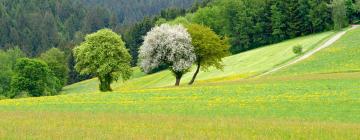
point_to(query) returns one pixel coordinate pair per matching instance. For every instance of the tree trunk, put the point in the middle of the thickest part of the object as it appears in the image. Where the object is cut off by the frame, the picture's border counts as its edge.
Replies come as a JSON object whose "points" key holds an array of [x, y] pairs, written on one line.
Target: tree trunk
{"points": [[195, 74], [105, 83], [178, 76], [177, 81]]}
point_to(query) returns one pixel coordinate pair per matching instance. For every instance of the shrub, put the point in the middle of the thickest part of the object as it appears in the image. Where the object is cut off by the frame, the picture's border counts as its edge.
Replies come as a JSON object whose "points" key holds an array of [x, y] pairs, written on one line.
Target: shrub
{"points": [[298, 49], [56, 60], [7, 63], [33, 77]]}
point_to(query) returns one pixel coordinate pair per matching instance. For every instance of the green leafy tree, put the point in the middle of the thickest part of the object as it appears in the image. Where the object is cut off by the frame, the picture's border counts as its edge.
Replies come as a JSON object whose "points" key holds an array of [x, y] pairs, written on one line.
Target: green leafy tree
{"points": [[74, 75], [172, 13], [278, 20], [211, 17], [103, 54], [7, 64], [320, 15], [209, 48], [34, 78], [294, 22], [5, 74], [244, 26], [57, 62], [357, 11], [179, 20], [167, 45], [134, 37], [14, 54], [305, 23], [339, 14], [160, 21]]}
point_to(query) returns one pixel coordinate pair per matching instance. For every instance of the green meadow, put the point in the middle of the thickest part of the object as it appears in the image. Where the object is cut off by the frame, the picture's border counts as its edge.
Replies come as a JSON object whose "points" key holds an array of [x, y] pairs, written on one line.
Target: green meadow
{"points": [[239, 66], [317, 98], [341, 57]]}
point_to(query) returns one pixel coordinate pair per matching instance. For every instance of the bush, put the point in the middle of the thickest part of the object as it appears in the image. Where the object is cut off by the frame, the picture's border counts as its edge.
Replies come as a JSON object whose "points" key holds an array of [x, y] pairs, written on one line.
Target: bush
{"points": [[3, 97], [56, 60], [7, 63], [34, 78], [22, 94], [298, 49]]}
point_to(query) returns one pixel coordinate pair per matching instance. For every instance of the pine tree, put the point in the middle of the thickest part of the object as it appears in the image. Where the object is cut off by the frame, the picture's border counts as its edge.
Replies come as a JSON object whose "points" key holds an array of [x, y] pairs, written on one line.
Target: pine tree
{"points": [[278, 20], [320, 15], [339, 14]]}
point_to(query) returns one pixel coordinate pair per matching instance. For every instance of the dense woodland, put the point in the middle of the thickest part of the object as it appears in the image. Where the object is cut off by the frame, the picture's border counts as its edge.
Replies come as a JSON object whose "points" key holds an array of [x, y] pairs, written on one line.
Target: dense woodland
{"points": [[130, 11], [36, 26], [30, 28], [254, 23]]}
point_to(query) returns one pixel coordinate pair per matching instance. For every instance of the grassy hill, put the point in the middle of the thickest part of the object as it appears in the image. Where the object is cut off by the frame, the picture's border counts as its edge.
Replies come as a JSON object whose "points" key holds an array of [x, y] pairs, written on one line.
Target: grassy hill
{"points": [[314, 99], [342, 57], [243, 65]]}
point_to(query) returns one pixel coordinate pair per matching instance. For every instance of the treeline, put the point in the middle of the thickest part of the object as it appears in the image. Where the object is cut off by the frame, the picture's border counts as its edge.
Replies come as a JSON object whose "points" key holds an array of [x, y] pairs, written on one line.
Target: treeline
{"points": [[35, 26], [22, 77], [130, 11], [254, 23]]}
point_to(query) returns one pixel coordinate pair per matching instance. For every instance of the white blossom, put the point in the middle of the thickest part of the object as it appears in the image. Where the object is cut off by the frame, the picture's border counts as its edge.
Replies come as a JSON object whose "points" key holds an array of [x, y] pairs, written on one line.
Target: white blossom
{"points": [[169, 45]]}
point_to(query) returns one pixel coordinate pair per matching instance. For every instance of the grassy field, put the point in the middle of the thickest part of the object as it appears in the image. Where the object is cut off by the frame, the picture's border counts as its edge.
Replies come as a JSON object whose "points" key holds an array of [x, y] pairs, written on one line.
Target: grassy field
{"points": [[307, 107], [343, 56], [305, 101], [238, 66]]}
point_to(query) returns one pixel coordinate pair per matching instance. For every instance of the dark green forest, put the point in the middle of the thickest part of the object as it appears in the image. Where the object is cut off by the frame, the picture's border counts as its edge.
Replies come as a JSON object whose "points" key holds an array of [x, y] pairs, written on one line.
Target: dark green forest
{"points": [[254, 23], [130, 11], [35, 26]]}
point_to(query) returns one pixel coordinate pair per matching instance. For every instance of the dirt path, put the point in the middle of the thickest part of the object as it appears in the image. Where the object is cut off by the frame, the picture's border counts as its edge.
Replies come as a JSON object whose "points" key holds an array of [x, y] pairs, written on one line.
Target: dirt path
{"points": [[312, 52]]}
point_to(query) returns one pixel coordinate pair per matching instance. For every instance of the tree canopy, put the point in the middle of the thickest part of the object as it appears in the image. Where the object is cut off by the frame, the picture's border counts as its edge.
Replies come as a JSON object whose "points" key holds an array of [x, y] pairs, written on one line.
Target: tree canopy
{"points": [[169, 45], [209, 48], [36, 26], [7, 64], [57, 62], [33, 78], [339, 14], [103, 54], [253, 23]]}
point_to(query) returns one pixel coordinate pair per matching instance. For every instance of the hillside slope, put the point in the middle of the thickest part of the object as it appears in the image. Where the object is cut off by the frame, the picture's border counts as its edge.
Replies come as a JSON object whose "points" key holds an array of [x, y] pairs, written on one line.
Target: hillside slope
{"points": [[239, 66], [313, 99], [341, 57]]}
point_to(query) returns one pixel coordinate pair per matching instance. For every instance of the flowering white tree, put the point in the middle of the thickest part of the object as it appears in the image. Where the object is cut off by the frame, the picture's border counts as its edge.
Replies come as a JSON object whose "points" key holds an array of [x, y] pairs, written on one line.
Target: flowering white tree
{"points": [[167, 45]]}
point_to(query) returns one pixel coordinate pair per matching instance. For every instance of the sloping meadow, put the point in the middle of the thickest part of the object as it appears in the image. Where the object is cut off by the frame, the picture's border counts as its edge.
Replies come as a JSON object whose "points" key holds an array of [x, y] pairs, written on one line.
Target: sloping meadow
{"points": [[310, 100]]}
